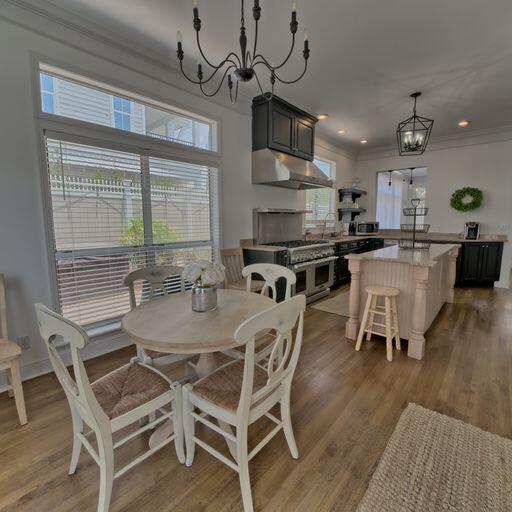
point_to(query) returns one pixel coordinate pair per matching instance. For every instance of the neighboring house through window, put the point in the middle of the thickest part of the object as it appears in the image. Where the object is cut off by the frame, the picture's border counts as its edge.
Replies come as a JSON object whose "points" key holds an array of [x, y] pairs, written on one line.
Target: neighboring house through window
{"points": [[47, 93], [122, 114], [320, 201]]}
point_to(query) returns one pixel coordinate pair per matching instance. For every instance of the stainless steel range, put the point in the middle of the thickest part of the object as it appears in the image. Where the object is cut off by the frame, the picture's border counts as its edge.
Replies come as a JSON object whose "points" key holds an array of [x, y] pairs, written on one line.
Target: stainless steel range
{"points": [[312, 261]]}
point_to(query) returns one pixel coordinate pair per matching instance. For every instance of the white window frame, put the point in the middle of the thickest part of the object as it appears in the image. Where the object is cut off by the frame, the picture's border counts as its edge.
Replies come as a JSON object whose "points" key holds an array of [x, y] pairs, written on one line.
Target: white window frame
{"points": [[72, 130], [317, 223], [122, 112]]}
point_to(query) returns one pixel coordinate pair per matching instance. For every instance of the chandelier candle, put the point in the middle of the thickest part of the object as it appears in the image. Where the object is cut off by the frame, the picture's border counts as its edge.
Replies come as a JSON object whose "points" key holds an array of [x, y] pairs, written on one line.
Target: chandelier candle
{"points": [[242, 65]]}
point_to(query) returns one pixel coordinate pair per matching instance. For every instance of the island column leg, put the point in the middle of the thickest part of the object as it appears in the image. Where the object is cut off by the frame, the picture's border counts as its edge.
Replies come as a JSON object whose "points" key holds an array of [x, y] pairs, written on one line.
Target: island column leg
{"points": [[354, 299], [419, 314], [453, 275]]}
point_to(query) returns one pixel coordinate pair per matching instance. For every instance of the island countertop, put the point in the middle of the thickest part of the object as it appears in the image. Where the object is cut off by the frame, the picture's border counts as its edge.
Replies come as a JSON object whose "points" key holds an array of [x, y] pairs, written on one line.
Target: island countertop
{"points": [[416, 257]]}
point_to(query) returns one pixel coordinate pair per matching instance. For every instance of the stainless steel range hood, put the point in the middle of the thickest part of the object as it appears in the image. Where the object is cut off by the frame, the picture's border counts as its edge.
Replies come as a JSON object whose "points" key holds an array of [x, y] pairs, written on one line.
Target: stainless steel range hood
{"points": [[271, 167]]}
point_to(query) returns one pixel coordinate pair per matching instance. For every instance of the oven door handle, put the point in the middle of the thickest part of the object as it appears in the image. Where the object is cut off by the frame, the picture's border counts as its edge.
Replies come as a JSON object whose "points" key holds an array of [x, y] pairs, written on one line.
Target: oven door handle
{"points": [[314, 262]]}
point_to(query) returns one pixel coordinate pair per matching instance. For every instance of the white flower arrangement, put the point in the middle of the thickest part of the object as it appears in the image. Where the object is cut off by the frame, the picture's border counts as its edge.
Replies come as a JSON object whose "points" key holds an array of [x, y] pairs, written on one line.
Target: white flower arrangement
{"points": [[204, 273]]}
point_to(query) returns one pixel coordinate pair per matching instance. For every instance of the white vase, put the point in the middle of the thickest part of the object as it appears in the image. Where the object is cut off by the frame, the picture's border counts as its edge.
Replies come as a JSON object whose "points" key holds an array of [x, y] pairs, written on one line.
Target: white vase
{"points": [[204, 298]]}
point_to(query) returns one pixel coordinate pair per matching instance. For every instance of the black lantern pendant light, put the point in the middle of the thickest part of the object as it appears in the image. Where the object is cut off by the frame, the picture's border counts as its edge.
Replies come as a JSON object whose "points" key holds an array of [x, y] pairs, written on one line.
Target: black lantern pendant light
{"points": [[241, 64], [413, 134]]}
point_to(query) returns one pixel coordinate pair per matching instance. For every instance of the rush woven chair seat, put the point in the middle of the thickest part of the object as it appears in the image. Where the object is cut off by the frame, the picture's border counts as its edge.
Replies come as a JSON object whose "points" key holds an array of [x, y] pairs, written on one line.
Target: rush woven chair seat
{"points": [[123, 397], [224, 385], [242, 392], [127, 388]]}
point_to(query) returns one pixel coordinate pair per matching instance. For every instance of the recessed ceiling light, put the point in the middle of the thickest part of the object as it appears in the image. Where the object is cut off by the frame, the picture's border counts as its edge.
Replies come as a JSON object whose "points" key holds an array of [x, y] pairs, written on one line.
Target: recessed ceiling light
{"points": [[464, 123], [342, 132], [364, 141], [322, 116]]}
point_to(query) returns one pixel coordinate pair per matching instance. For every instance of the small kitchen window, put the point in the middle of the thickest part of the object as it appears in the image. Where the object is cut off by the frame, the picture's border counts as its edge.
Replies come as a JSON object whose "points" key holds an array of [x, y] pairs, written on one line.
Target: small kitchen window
{"points": [[321, 201]]}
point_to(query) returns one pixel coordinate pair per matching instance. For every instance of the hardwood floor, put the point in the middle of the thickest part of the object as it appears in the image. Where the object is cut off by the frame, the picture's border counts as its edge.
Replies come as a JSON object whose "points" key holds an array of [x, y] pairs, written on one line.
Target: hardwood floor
{"points": [[345, 405]]}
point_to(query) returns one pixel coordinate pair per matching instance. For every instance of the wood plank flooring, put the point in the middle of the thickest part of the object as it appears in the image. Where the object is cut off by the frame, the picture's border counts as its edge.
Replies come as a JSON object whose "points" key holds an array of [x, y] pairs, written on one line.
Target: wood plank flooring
{"points": [[345, 405]]}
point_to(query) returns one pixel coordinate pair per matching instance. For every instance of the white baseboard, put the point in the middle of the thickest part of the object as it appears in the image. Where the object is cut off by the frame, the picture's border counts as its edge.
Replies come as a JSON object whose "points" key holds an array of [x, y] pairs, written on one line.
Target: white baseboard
{"points": [[97, 347]]}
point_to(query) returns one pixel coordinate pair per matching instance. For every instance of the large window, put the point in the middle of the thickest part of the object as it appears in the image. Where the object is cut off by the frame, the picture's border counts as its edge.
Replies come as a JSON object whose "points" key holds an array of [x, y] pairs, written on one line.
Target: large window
{"points": [[115, 210], [395, 189], [321, 201], [69, 95]]}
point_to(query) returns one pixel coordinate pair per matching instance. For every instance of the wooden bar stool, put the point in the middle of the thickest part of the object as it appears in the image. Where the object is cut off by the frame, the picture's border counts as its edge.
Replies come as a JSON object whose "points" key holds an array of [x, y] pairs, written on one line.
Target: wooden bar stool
{"points": [[388, 311]]}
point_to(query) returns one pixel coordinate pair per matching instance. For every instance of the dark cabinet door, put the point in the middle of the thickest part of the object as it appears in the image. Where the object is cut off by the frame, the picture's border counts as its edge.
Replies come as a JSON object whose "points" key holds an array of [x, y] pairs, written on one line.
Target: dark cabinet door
{"points": [[491, 262], [282, 128], [304, 137], [471, 263]]}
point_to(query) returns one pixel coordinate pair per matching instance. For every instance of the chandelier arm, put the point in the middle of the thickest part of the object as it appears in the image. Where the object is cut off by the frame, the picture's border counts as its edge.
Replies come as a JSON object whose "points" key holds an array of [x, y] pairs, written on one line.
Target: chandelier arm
{"points": [[236, 94], [231, 54], [288, 82], [209, 95], [268, 96], [282, 63], [232, 65], [196, 82]]}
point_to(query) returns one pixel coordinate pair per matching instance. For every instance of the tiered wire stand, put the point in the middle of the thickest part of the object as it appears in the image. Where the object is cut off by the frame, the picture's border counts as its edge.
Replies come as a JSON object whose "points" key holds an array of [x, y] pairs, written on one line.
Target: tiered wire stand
{"points": [[414, 211]]}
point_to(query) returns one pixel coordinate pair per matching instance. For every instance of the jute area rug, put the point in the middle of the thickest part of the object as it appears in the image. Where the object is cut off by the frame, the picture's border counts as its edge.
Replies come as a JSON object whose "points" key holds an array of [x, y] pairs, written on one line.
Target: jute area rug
{"points": [[436, 463], [337, 305]]}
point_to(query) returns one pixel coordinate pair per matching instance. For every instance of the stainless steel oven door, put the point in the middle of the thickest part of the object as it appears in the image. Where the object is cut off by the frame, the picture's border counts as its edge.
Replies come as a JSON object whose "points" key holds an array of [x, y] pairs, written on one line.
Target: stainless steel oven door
{"points": [[314, 276]]}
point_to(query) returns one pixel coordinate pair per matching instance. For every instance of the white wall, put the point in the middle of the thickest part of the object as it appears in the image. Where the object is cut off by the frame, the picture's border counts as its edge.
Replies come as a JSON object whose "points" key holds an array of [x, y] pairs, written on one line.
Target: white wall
{"points": [[23, 253], [487, 166]]}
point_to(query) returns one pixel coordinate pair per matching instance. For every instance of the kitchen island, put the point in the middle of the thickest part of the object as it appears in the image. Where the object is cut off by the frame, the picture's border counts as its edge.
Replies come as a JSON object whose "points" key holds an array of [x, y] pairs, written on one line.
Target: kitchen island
{"points": [[425, 279]]}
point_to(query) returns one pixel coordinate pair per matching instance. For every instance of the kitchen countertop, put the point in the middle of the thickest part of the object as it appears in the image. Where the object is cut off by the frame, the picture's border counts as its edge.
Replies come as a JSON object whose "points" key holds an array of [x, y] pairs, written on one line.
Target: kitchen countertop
{"points": [[434, 237], [385, 235], [416, 257]]}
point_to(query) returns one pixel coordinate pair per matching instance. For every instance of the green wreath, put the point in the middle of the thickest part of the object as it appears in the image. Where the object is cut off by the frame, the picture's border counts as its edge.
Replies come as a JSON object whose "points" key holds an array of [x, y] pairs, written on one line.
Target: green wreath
{"points": [[457, 199]]}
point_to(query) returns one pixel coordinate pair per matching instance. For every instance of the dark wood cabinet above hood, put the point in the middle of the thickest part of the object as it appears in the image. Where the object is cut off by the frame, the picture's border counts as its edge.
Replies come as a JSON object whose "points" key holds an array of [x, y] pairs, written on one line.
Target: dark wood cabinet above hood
{"points": [[278, 125]]}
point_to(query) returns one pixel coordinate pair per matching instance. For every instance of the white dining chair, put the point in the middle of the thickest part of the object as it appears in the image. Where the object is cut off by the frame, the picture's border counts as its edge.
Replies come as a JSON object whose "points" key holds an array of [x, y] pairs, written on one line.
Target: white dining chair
{"points": [[241, 392], [155, 277], [111, 403], [10, 354], [271, 275]]}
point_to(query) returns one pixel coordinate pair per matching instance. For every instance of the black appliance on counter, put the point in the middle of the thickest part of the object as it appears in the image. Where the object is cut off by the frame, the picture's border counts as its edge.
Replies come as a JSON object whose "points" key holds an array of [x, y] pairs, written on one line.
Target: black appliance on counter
{"points": [[471, 230]]}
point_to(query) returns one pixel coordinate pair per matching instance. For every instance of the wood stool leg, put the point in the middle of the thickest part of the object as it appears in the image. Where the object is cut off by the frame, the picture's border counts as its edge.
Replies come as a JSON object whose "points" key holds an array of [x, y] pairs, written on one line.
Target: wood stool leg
{"points": [[363, 323], [9, 382], [373, 305], [389, 337], [18, 391], [395, 324]]}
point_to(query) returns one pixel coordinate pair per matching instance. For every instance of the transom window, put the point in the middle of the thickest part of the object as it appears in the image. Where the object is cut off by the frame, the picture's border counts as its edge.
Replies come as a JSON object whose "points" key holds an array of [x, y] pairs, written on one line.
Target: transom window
{"points": [[321, 201], [69, 95]]}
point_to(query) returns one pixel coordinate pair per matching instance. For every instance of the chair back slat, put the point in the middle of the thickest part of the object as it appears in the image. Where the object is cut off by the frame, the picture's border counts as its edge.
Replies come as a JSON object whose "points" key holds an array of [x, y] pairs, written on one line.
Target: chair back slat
{"points": [[281, 318], [271, 273], [155, 277], [233, 260], [4, 333], [78, 389]]}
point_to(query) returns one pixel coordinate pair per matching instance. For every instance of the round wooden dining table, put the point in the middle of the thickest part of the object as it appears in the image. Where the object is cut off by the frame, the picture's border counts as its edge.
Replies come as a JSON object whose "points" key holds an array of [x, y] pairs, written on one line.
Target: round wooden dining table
{"points": [[168, 324]]}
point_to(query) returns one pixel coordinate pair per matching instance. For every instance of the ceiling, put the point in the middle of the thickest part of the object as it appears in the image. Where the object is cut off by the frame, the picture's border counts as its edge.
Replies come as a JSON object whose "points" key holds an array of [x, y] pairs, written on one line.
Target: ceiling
{"points": [[367, 56]]}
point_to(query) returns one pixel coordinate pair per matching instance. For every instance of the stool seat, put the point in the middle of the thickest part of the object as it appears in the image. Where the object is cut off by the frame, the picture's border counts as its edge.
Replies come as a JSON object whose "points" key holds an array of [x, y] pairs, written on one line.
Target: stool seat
{"points": [[382, 291]]}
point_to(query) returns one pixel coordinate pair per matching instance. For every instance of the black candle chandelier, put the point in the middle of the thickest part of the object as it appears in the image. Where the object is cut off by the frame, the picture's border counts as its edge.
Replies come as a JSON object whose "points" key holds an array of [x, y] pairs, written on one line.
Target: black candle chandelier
{"points": [[413, 134], [243, 65]]}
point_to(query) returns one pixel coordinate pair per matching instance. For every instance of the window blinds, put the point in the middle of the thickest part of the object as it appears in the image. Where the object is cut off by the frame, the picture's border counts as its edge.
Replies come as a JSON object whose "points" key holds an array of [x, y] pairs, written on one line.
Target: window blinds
{"points": [[115, 211]]}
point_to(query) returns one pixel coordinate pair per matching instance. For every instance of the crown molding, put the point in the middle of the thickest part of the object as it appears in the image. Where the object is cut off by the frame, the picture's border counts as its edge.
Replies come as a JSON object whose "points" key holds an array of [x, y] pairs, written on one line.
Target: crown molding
{"points": [[468, 138], [61, 25]]}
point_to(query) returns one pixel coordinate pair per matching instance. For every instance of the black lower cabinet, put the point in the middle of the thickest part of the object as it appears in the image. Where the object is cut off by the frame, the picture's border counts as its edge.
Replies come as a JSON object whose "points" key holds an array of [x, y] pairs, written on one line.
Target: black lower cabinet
{"points": [[481, 264], [341, 271]]}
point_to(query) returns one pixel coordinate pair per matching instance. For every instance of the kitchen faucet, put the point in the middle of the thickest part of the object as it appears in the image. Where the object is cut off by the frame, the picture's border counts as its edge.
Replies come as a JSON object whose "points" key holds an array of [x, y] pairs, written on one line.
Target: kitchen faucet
{"points": [[325, 222]]}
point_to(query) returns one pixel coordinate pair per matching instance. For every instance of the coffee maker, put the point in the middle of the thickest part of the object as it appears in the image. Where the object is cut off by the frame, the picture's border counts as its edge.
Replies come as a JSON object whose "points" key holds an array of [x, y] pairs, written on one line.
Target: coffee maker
{"points": [[471, 230]]}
